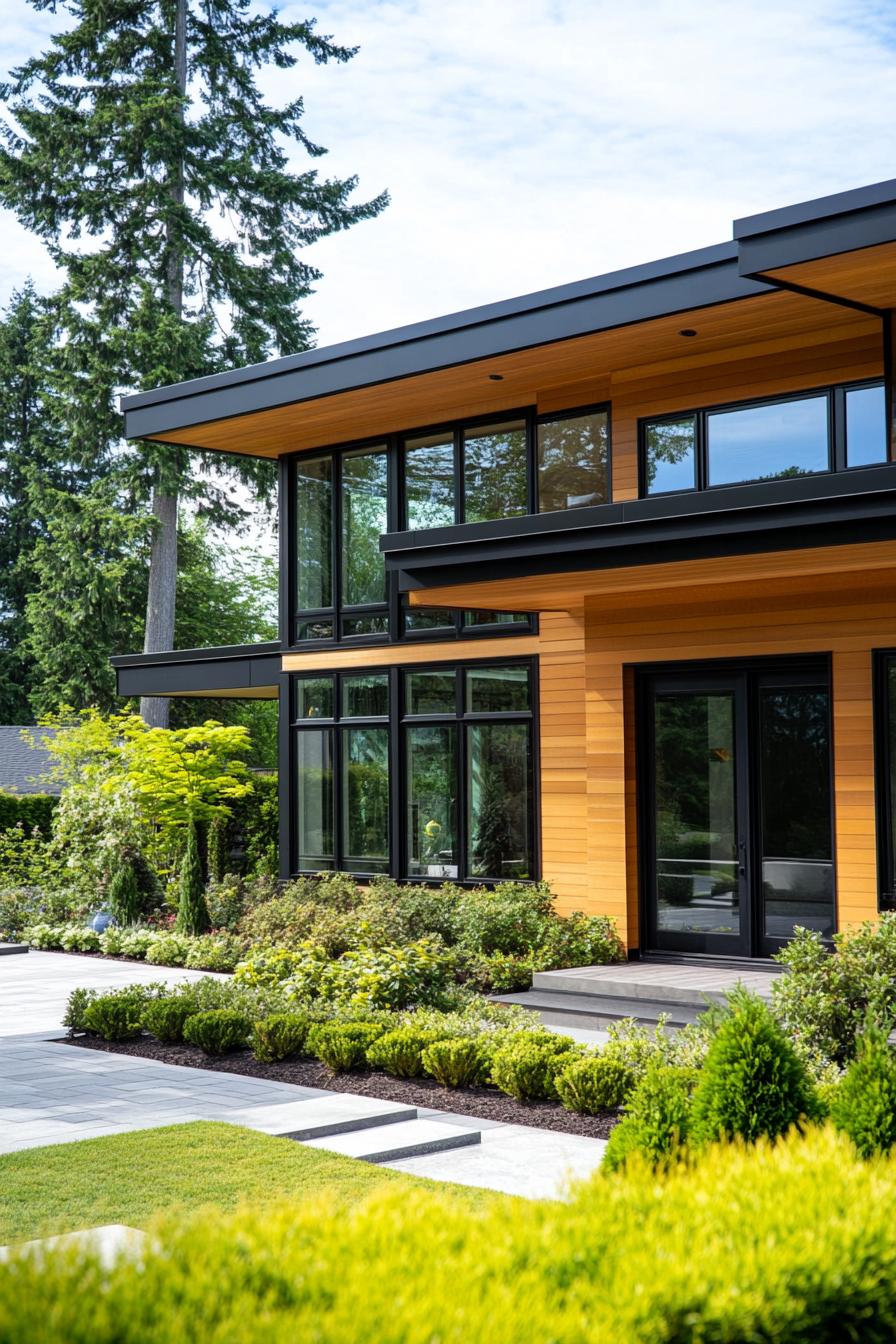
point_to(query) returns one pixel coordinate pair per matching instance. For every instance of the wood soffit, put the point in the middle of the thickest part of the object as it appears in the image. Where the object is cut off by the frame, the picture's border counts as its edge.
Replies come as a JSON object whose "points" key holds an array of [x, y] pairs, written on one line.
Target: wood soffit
{"points": [[554, 376]]}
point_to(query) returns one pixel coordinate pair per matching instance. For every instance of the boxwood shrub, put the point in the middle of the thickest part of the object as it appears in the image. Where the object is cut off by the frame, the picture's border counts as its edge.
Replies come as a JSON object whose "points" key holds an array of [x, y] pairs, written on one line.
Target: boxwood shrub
{"points": [[525, 1065], [461, 1062], [278, 1036], [218, 1031], [400, 1052], [343, 1045], [593, 1084]]}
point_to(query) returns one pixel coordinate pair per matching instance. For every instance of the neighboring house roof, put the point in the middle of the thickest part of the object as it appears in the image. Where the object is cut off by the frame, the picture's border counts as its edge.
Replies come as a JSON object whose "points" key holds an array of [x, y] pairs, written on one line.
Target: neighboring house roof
{"points": [[21, 765]]}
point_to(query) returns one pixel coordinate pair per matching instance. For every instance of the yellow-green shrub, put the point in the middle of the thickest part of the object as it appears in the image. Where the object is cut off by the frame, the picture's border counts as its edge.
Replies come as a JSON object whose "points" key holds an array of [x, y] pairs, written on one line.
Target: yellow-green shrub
{"points": [[792, 1242]]}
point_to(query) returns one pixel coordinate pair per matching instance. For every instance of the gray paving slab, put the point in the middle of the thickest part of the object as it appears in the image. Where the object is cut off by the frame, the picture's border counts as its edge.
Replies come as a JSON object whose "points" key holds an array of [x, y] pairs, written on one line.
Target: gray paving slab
{"points": [[687, 985], [331, 1113], [390, 1143], [109, 1243]]}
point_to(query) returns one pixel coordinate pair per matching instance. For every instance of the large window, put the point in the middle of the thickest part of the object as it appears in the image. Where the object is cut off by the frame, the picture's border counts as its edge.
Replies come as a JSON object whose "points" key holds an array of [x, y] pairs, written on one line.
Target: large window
{"points": [[830, 430], [447, 751], [573, 460]]}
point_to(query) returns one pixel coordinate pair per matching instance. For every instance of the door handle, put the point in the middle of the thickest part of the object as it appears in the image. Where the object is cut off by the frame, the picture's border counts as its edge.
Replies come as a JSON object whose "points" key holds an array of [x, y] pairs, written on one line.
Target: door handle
{"points": [[742, 859]]}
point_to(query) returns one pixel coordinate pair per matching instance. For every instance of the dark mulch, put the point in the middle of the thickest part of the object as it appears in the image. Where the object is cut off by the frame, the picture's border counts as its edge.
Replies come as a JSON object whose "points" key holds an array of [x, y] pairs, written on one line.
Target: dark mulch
{"points": [[486, 1103]]}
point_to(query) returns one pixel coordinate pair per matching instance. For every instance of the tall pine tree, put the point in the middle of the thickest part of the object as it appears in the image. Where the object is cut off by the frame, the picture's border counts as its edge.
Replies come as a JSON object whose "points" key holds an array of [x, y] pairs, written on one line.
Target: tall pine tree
{"points": [[141, 149]]}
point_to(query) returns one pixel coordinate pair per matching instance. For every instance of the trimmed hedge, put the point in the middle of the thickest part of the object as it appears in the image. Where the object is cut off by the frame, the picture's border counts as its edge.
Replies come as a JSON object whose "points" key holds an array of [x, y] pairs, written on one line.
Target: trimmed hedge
{"points": [[792, 1242], [31, 809]]}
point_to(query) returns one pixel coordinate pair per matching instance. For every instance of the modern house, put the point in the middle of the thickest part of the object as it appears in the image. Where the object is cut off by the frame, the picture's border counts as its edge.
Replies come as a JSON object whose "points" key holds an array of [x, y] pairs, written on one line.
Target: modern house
{"points": [[596, 585]]}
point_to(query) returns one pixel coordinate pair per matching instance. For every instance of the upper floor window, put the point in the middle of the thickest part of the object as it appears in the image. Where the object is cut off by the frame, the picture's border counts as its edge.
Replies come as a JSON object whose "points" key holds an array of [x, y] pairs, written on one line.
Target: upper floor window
{"points": [[573, 460], [801, 435]]}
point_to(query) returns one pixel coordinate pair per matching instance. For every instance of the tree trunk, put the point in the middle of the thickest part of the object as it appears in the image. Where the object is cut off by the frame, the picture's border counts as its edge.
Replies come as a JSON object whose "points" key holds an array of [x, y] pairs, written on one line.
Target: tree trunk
{"points": [[162, 595]]}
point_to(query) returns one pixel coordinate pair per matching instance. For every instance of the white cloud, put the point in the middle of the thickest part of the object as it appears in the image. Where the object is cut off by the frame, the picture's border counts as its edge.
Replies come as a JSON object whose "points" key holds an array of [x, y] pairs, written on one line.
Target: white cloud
{"points": [[530, 142]]}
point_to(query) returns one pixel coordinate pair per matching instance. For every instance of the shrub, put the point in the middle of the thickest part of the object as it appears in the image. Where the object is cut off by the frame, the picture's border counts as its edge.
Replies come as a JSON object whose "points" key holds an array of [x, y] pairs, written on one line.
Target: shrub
{"points": [[278, 1036], [499, 973], [593, 1084], [271, 965], [400, 1052], [128, 942], [168, 949], [76, 1009], [165, 1018], [78, 938], [33, 811], [864, 1103], [580, 940], [218, 1031], [526, 1064], [753, 1082], [461, 1062], [289, 917], [45, 937], [213, 952], [385, 977], [226, 901], [192, 912], [657, 1120], [826, 998], [124, 899], [118, 1015], [511, 917], [343, 1045]]}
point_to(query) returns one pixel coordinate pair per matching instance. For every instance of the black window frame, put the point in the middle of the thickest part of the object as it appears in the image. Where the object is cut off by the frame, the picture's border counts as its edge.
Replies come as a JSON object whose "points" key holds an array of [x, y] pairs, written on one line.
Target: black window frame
{"points": [[835, 395], [396, 722], [884, 792]]}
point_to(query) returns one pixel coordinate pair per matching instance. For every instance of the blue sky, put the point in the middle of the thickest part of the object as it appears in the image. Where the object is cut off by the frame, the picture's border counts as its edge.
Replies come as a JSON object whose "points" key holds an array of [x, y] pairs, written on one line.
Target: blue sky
{"points": [[530, 142]]}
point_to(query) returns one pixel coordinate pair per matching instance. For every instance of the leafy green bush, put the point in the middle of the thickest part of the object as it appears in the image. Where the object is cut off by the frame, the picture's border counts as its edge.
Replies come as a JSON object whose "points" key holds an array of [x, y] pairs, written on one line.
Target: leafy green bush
{"points": [[118, 1015], [826, 998], [792, 1243], [499, 973], [593, 1084], [31, 811], [343, 1045], [28, 859], [45, 937], [657, 1121], [288, 918], [864, 1103], [213, 952], [579, 940], [279, 1036], [271, 965], [218, 1030], [135, 943], [76, 1009], [400, 1052], [165, 1018], [168, 949], [753, 1082], [79, 938], [460, 1062], [525, 1065], [511, 917]]}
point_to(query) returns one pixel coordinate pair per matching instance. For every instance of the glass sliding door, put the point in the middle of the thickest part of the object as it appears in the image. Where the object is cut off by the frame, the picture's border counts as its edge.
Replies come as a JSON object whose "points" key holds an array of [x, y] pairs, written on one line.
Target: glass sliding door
{"points": [[736, 797]]}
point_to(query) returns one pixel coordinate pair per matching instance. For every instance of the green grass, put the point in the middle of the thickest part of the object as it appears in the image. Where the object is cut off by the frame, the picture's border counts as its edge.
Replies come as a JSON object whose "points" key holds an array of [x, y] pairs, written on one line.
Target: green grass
{"points": [[128, 1178]]}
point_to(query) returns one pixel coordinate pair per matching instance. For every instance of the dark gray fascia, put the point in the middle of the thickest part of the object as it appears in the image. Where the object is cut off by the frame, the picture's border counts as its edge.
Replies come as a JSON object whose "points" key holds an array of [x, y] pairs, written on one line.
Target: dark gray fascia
{"points": [[203, 671]]}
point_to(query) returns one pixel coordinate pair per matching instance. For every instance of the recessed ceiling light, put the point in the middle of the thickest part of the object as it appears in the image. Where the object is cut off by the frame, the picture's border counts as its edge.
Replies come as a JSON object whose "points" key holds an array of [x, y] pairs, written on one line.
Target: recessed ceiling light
{"points": [[687, 331], [496, 377]]}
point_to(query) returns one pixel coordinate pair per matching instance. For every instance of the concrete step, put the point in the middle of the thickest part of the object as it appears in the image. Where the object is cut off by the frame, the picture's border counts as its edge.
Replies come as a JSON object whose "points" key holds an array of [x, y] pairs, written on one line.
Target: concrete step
{"points": [[320, 1117], [390, 1143], [10, 949], [687, 985], [594, 1012]]}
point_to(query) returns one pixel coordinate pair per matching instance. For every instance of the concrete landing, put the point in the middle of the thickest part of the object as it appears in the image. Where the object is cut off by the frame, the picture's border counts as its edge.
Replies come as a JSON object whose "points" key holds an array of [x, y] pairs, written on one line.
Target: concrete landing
{"points": [[109, 1243], [331, 1113], [10, 949], [391, 1143], [686, 985]]}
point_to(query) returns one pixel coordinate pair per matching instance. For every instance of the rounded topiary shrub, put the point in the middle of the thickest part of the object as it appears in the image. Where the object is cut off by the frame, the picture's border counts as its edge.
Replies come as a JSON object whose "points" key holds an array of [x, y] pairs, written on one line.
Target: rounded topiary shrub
{"points": [[400, 1052], [594, 1084], [864, 1103], [460, 1062], [117, 1016], [278, 1036], [525, 1066], [165, 1018], [753, 1083], [657, 1121], [218, 1031], [343, 1045]]}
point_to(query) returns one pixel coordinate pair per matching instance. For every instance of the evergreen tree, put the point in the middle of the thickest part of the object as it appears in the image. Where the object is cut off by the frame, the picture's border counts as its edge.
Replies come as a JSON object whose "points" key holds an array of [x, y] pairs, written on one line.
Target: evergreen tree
{"points": [[192, 911], [133, 137], [124, 897]]}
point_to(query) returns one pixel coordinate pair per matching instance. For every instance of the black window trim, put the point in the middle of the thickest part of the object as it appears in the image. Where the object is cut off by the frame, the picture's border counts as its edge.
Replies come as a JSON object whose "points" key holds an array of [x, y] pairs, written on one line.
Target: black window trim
{"points": [[396, 721], [835, 395]]}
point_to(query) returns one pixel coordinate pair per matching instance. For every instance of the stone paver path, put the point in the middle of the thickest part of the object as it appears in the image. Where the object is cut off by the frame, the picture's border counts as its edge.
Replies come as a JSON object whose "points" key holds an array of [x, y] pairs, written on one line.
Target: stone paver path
{"points": [[54, 1093]]}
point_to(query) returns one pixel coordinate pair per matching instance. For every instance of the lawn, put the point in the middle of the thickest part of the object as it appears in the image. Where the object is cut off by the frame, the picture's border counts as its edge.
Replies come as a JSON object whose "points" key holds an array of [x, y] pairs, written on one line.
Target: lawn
{"points": [[128, 1178]]}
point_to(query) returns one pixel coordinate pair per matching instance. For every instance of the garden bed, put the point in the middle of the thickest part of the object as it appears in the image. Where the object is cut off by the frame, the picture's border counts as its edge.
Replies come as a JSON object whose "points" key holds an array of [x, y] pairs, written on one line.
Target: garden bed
{"points": [[484, 1103]]}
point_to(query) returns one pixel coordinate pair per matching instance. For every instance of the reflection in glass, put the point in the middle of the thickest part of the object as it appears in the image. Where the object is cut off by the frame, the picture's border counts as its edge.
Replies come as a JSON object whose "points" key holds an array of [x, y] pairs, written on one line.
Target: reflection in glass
{"points": [[365, 697], [314, 537], [431, 761], [365, 799], [495, 474], [314, 793], [767, 443], [498, 801], [497, 690], [429, 481], [572, 462], [430, 693], [696, 817], [670, 448], [475, 618], [427, 618], [316, 629], [377, 624], [314, 697], [363, 501], [866, 426], [795, 788]]}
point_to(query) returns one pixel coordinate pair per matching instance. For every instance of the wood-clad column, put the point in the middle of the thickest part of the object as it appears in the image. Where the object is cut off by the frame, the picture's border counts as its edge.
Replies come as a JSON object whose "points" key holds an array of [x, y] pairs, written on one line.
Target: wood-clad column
{"points": [[605, 741], [855, 844]]}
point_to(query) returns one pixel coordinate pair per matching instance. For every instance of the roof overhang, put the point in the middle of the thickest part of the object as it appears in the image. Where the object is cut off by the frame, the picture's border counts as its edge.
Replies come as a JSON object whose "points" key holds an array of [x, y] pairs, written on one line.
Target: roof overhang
{"points": [[512, 564], [244, 671]]}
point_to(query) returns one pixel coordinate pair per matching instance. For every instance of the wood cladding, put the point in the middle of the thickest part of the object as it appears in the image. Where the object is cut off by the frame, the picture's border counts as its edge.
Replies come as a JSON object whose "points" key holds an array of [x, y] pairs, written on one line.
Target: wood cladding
{"points": [[542, 375], [866, 276]]}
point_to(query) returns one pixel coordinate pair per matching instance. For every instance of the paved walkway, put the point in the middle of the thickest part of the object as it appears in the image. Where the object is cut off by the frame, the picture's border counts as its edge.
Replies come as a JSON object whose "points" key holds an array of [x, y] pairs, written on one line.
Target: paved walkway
{"points": [[52, 1093]]}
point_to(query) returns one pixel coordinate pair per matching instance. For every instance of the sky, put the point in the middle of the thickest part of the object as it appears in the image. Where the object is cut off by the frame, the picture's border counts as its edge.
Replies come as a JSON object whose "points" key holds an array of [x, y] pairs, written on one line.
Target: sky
{"points": [[526, 143]]}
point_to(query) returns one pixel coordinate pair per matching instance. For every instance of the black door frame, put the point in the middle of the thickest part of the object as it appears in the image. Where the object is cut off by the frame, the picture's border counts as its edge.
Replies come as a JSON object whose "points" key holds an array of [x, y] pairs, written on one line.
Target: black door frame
{"points": [[746, 674]]}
